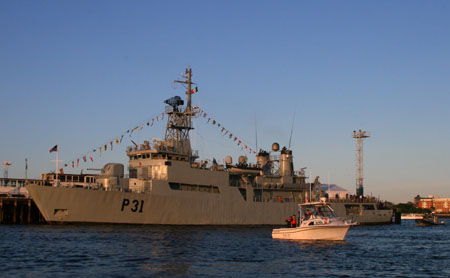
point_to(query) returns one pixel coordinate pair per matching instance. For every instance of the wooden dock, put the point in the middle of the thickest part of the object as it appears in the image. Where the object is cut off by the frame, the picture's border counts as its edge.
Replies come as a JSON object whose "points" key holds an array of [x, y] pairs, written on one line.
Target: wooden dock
{"points": [[18, 210]]}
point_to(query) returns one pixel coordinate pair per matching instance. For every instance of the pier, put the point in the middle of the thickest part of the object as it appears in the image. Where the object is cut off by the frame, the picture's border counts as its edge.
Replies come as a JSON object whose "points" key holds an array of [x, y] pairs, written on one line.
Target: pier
{"points": [[17, 210], [16, 207]]}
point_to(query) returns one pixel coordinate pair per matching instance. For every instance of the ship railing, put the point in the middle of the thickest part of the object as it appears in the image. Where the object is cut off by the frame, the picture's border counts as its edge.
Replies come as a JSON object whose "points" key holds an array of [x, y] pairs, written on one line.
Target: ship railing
{"points": [[274, 200], [169, 109], [15, 182], [354, 199]]}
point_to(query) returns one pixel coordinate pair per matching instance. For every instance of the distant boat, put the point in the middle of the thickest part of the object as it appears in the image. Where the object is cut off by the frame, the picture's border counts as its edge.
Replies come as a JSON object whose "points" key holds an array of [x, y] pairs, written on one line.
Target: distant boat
{"points": [[429, 220], [318, 223]]}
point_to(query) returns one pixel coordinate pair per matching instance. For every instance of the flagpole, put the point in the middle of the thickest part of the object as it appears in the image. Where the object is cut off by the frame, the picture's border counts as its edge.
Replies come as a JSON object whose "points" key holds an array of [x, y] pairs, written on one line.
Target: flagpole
{"points": [[310, 185], [26, 169], [57, 166]]}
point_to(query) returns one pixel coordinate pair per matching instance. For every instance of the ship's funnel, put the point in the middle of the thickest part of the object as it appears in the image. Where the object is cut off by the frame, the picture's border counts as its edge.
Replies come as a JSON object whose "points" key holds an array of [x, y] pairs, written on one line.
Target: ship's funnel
{"points": [[286, 165]]}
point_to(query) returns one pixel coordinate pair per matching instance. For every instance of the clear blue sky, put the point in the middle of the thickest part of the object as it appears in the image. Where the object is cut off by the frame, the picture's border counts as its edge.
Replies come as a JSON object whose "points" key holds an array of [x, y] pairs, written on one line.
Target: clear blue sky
{"points": [[80, 73]]}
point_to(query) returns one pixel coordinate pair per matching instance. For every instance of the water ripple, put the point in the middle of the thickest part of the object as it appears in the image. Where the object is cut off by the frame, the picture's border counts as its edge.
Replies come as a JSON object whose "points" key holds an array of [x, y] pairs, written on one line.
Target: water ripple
{"points": [[169, 251]]}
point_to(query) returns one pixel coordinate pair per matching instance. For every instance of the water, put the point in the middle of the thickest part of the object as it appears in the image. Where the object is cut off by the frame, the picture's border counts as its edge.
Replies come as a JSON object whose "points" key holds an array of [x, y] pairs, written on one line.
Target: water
{"points": [[170, 251]]}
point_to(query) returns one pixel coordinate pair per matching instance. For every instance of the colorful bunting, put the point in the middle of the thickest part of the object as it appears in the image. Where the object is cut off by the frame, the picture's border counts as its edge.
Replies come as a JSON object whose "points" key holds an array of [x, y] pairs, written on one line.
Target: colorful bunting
{"points": [[225, 131], [118, 140]]}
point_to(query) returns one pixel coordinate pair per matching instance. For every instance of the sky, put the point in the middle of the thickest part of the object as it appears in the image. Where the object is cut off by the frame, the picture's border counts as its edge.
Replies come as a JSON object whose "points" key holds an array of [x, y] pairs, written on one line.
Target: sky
{"points": [[81, 73]]}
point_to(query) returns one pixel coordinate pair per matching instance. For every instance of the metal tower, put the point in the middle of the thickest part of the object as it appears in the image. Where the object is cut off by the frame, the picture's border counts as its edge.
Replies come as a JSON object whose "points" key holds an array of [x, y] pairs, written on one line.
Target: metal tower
{"points": [[6, 164], [359, 136], [179, 122]]}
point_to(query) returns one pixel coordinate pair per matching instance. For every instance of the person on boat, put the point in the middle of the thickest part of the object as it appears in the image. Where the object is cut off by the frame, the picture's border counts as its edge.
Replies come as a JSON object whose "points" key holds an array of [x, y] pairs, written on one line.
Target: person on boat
{"points": [[320, 212], [307, 215], [293, 222], [288, 222]]}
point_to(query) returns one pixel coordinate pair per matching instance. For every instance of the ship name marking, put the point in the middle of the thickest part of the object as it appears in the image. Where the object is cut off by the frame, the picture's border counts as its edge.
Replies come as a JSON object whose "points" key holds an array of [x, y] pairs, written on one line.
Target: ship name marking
{"points": [[136, 206]]}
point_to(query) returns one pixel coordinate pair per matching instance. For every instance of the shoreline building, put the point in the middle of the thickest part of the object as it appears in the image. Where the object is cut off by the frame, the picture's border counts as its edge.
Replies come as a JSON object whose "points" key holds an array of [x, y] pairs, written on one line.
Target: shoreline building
{"points": [[437, 204], [335, 192]]}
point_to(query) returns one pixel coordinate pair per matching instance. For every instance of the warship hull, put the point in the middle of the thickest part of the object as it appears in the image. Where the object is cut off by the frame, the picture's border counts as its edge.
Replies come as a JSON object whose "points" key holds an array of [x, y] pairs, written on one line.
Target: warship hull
{"points": [[362, 213], [79, 205]]}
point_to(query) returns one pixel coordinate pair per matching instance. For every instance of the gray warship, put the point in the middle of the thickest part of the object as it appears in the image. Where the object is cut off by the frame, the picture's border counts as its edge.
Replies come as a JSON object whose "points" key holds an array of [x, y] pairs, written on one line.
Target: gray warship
{"points": [[168, 184]]}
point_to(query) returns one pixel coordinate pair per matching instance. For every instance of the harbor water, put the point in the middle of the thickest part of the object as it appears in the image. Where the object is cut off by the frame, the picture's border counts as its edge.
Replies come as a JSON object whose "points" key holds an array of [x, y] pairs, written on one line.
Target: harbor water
{"points": [[404, 250]]}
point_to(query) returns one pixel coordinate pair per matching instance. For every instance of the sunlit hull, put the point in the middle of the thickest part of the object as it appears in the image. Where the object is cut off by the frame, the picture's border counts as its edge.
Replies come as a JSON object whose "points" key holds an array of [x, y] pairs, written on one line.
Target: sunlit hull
{"points": [[315, 232], [78, 205]]}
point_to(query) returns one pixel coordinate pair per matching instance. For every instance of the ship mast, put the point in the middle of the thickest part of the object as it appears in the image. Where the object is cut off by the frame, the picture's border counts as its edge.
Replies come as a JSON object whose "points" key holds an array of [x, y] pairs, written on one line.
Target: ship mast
{"points": [[179, 122]]}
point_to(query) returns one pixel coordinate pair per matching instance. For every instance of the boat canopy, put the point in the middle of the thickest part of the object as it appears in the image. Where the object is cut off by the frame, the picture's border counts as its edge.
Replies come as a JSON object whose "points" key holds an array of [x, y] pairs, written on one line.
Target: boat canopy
{"points": [[316, 209]]}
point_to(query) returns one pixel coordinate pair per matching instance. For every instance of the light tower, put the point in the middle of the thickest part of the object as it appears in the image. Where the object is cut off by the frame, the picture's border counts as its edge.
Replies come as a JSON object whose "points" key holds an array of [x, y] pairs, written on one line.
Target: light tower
{"points": [[359, 136], [6, 164]]}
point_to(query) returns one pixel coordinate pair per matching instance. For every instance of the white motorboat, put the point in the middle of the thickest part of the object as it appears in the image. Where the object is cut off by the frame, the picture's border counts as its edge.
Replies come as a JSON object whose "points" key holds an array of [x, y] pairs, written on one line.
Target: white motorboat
{"points": [[318, 222]]}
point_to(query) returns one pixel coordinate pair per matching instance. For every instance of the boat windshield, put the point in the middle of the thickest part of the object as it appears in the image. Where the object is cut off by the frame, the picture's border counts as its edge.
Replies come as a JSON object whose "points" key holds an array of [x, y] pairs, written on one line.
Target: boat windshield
{"points": [[323, 211]]}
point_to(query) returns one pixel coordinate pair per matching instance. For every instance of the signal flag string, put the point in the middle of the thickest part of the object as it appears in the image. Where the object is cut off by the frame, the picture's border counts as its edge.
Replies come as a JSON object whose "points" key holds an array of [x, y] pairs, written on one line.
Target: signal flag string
{"points": [[118, 140]]}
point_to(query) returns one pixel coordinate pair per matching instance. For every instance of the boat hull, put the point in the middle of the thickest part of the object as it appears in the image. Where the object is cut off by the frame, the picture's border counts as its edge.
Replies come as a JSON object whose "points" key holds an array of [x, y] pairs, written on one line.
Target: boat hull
{"points": [[79, 205], [316, 232], [426, 222]]}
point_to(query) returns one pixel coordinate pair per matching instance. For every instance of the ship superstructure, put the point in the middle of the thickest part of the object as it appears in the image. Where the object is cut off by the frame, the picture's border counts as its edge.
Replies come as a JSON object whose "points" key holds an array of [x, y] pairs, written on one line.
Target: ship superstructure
{"points": [[167, 184]]}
